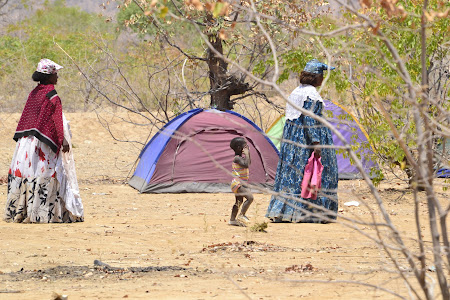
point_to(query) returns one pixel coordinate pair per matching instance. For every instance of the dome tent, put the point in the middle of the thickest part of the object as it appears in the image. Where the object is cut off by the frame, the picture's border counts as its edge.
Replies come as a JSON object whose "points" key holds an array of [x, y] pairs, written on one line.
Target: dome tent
{"points": [[349, 128], [192, 154], [442, 156]]}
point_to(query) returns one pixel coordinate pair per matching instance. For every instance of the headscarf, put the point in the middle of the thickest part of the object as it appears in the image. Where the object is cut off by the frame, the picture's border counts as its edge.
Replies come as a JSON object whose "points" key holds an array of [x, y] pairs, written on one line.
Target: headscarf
{"points": [[48, 66], [316, 67]]}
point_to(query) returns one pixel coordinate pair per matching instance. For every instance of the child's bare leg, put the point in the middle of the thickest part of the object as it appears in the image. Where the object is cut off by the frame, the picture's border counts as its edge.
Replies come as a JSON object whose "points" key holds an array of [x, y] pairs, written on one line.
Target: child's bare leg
{"points": [[244, 192], [236, 206]]}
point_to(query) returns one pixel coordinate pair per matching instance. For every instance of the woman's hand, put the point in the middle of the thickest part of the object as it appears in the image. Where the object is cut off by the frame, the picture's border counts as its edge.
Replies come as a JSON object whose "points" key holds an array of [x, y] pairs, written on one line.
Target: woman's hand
{"points": [[317, 151]]}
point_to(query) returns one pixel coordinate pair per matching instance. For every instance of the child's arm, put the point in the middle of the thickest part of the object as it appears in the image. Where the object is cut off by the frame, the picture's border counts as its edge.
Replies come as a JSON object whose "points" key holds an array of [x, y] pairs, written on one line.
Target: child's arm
{"points": [[243, 161], [246, 152]]}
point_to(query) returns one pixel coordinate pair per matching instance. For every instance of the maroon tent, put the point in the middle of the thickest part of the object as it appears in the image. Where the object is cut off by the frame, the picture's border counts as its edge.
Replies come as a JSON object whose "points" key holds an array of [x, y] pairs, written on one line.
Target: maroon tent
{"points": [[192, 153]]}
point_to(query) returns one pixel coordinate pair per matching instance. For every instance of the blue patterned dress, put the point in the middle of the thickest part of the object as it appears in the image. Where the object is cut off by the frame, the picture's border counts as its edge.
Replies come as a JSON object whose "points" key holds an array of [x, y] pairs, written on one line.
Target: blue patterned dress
{"points": [[285, 206]]}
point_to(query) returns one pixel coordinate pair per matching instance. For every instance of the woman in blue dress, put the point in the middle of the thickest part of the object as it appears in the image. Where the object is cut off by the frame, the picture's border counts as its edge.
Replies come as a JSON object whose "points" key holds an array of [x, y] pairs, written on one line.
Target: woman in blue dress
{"points": [[301, 134]]}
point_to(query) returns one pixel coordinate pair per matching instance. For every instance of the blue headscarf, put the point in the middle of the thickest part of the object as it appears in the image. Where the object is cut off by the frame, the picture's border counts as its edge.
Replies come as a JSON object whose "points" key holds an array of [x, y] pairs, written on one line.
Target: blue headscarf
{"points": [[316, 67]]}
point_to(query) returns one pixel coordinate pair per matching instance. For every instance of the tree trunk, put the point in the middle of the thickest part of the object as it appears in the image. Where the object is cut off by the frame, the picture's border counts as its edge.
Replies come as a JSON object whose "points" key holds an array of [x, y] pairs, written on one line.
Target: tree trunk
{"points": [[222, 85]]}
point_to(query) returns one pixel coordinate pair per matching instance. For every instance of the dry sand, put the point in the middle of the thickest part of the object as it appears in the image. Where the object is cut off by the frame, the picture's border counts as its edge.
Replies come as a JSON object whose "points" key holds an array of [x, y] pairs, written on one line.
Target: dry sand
{"points": [[182, 242]]}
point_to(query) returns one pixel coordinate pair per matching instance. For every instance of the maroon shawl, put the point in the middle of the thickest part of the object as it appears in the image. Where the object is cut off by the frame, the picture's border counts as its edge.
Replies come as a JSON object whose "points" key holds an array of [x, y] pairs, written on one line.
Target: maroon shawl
{"points": [[42, 117]]}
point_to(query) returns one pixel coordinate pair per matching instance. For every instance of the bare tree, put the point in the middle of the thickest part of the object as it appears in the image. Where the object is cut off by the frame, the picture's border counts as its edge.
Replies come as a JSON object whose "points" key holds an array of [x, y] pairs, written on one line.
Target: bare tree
{"points": [[177, 82]]}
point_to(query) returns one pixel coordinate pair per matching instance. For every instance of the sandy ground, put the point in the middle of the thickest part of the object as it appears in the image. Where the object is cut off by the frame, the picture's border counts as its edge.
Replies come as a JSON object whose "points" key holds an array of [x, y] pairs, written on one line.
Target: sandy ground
{"points": [[179, 246]]}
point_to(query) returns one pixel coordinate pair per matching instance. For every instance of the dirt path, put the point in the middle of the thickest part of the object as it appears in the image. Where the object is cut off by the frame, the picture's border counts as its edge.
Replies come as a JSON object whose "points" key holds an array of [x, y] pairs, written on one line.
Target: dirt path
{"points": [[188, 234]]}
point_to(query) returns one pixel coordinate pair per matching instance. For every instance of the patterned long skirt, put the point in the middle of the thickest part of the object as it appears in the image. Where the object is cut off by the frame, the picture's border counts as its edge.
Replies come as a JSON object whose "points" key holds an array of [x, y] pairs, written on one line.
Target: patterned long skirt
{"points": [[34, 192], [287, 205]]}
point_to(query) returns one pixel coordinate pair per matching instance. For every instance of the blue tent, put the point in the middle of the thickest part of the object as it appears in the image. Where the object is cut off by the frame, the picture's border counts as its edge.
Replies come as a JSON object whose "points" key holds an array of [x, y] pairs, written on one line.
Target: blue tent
{"points": [[443, 157]]}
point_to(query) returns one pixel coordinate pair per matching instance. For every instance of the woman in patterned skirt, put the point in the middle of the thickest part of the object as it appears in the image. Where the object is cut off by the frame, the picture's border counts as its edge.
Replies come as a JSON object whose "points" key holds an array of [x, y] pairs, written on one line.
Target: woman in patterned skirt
{"points": [[42, 184], [301, 136]]}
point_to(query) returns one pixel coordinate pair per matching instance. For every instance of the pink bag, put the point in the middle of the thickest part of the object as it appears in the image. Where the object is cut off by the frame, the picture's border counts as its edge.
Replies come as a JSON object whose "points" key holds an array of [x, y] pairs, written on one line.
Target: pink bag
{"points": [[312, 178]]}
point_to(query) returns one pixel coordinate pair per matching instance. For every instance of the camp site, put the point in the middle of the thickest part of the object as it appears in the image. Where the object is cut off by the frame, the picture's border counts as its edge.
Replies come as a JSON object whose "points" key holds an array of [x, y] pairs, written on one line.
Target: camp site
{"points": [[134, 133]]}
